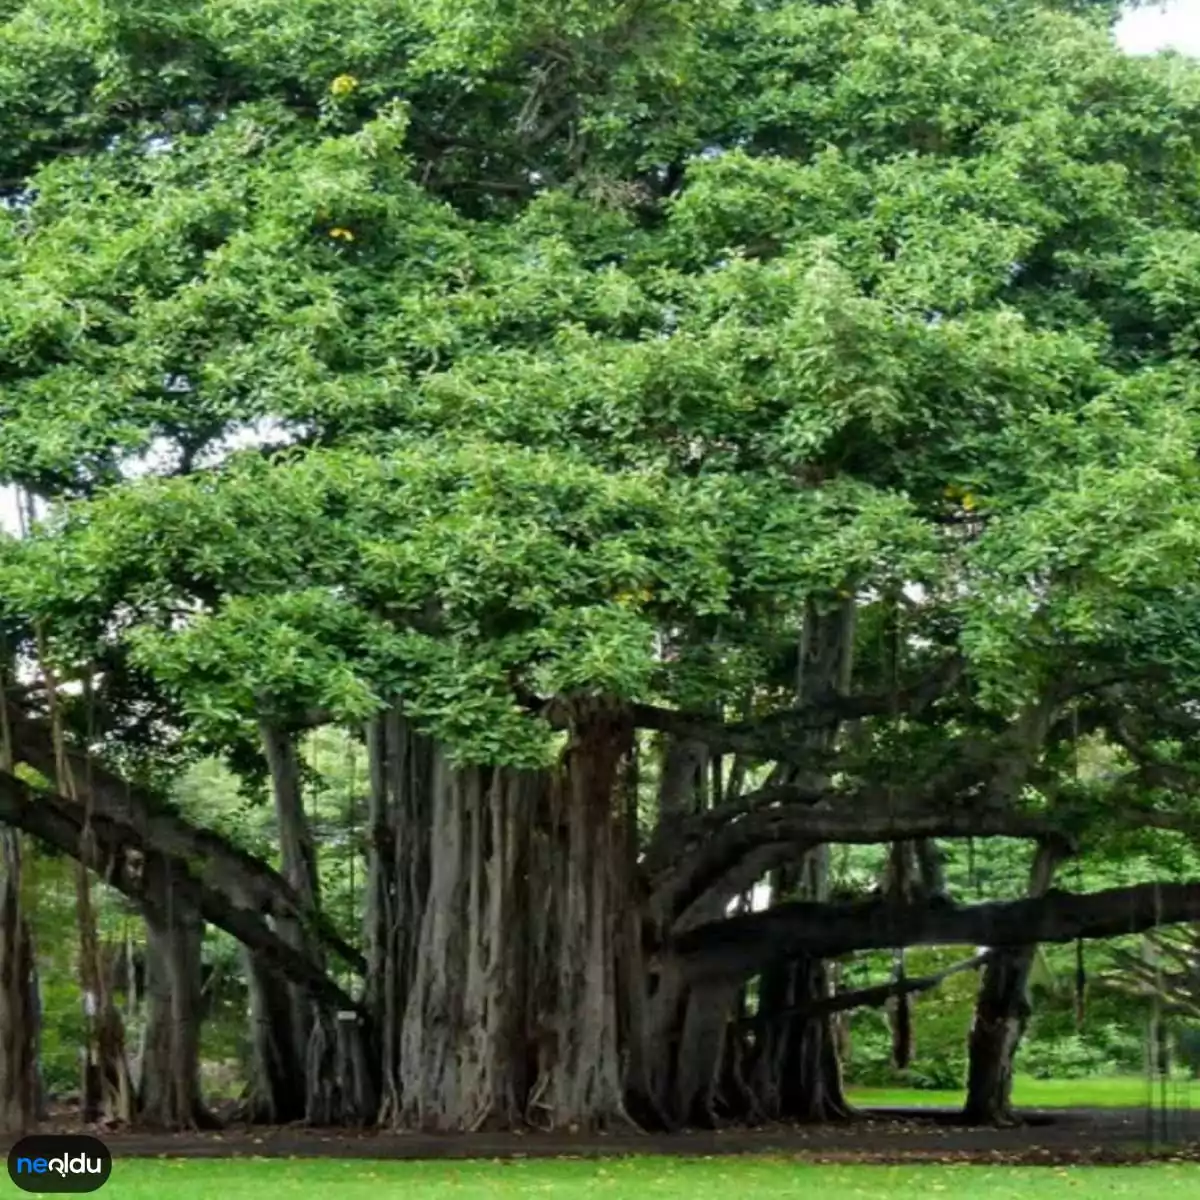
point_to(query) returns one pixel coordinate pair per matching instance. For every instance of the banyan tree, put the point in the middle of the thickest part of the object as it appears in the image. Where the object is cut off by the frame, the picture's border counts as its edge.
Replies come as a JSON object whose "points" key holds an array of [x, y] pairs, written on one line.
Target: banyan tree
{"points": [[673, 440]]}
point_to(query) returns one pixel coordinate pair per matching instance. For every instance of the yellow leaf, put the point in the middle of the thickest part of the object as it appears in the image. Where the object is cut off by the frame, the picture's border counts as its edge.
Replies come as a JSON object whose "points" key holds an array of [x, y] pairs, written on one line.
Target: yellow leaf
{"points": [[343, 85], [342, 234], [625, 599]]}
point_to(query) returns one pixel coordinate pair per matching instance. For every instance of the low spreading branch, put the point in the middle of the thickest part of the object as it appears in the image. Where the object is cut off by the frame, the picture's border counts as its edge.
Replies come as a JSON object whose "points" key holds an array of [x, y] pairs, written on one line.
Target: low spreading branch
{"points": [[779, 736], [221, 863], [869, 997], [155, 880], [740, 947]]}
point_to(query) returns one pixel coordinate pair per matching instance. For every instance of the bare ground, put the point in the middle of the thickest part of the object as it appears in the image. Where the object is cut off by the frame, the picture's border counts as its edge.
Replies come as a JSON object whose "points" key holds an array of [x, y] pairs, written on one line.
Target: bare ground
{"points": [[1061, 1136]]}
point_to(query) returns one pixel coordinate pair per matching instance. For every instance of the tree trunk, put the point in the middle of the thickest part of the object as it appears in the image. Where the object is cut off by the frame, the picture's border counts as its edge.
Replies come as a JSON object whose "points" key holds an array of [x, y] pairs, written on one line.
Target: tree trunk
{"points": [[298, 862], [107, 1090], [19, 1083], [797, 1074], [702, 1053], [811, 1084], [341, 1071], [694, 1064], [580, 1072], [329, 1048], [401, 766], [169, 1076], [1002, 1012], [276, 1091], [462, 1054]]}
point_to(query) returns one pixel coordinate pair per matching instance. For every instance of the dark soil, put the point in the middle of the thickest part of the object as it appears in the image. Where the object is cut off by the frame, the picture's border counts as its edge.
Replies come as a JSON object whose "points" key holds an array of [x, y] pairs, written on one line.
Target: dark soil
{"points": [[1050, 1138]]}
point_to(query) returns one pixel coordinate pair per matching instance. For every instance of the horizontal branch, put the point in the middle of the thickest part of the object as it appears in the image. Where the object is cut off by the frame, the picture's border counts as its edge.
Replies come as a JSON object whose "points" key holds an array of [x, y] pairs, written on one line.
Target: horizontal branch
{"points": [[743, 946], [239, 874], [779, 735], [155, 880], [868, 997], [699, 866], [972, 795], [852, 824]]}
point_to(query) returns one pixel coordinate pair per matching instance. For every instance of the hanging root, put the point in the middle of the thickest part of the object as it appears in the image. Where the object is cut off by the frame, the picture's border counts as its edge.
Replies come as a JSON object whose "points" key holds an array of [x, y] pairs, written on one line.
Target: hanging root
{"points": [[1080, 984], [902, 1040], [537, 1102]]}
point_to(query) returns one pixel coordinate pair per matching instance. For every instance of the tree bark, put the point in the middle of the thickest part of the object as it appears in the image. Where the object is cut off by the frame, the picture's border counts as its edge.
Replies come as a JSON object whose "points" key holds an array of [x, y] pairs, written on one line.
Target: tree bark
{"points": [[298, 864], [580, 1077], [746, 945], [19, 1023], [462, 1055], [1002, 1012], [169, 1095], [276, 1091], [215, 861], [401, 767]]}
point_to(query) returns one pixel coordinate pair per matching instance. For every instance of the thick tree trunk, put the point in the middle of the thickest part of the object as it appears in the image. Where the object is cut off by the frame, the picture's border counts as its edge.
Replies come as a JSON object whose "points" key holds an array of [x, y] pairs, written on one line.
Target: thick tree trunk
{"points": [[341, 1072], [580, 1075], [18, 997], [689, 1055], [1002, 1011], [796, 1073], [169, 1077], [462, 1056], [683, 784], [401, 766], [276, 1091], [702, 1053], [811, 1083]]}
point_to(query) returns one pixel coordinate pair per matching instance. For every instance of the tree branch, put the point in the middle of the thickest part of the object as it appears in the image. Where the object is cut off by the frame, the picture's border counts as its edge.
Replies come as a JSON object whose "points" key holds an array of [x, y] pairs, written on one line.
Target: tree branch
{"points": [[154, 879], [869, 997], [776, 737], [260, 886], [743, 946]]}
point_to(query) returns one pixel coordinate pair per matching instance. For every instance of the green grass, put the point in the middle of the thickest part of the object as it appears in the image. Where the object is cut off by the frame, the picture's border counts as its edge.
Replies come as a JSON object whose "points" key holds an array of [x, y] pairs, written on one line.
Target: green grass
{"points": [[619, 1179], [1119, 1092]]}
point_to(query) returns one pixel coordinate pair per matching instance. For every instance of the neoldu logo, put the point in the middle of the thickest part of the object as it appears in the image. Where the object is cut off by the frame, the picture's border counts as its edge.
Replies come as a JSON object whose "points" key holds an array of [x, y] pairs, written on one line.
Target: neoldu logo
{"points": [[72, 1162]]}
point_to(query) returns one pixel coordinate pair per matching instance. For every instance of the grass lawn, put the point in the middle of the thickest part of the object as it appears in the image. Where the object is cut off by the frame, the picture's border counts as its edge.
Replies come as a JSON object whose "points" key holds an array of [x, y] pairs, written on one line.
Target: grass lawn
{"points": [[619, 1179], [1125, 1091]]}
